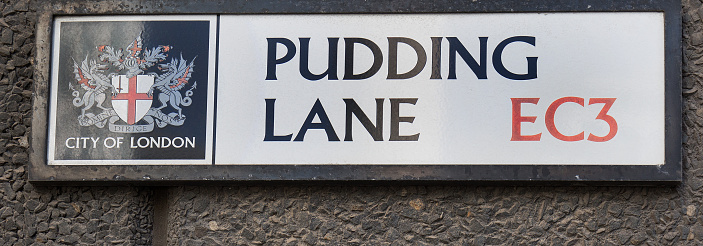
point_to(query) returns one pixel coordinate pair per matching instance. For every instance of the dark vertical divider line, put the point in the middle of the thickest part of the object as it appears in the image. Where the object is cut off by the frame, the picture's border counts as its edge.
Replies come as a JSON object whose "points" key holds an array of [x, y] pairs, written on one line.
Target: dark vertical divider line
{"points": [[159, 228], [217, 63]]}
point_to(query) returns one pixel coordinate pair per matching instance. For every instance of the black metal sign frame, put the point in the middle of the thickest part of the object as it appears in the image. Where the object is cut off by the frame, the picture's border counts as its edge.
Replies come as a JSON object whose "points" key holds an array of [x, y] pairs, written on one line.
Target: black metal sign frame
{"points": [[668, 174]]}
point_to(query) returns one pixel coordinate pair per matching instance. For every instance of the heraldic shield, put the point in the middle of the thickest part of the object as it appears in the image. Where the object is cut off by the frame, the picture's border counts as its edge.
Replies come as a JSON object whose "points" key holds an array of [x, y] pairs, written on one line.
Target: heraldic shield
{"points": [[132, 101]]}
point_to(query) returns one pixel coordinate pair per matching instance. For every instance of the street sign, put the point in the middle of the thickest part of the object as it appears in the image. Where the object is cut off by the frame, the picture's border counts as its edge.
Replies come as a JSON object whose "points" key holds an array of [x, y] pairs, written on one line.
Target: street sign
{"points": [[455, 96]]}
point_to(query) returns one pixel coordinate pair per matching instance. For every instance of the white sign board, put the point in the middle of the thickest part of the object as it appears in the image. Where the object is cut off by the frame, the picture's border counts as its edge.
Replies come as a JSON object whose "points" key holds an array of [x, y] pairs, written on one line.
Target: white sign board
{"points": [[528, 88]]}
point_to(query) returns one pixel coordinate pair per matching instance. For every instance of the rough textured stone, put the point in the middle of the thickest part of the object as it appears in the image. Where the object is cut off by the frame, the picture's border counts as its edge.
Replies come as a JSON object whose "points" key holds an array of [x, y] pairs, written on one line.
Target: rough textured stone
{"points": [[51, 215], [333, 215], [6, 36]]}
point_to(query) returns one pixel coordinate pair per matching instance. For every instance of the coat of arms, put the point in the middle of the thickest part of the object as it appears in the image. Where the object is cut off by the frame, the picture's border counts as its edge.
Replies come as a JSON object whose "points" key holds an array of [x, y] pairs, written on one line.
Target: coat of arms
{"points": [[125, 80]]}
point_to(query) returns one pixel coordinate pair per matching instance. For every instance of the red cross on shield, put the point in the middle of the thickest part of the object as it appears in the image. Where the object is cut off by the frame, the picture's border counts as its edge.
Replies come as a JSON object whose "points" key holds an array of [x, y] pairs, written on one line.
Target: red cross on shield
{"points": [[132, 102]]}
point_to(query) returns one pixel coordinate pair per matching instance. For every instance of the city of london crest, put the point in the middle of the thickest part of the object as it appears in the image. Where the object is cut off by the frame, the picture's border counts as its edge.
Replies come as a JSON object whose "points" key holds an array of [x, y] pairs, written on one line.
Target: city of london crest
{"points": [[118, 88]]}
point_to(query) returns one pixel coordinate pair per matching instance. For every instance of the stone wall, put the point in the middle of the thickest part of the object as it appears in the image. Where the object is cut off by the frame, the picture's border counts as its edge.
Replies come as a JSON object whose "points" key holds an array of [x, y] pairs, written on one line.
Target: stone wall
{"points": [[430, 215], [297, 214], [51, 215]]}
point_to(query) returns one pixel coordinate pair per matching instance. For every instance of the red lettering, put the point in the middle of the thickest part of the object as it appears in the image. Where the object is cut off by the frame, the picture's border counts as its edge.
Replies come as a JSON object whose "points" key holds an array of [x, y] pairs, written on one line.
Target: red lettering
{"points": [[518, 119], [549, 119], [603, 115]]}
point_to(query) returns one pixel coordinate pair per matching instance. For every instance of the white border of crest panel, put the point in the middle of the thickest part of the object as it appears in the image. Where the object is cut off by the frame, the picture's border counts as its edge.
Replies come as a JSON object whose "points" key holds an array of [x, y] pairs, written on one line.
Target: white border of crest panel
{"points": [[210, 92]]}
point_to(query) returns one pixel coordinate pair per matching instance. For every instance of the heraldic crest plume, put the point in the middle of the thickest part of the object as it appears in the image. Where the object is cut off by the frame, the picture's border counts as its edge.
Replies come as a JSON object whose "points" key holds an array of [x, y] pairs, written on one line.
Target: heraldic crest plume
{"points": [[124, 77]]}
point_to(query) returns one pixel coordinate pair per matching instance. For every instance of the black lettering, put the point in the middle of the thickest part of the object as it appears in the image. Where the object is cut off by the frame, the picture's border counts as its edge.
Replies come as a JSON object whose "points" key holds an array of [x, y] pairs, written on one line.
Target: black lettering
{"points": [[375, 131], [396, 119], [325, 123], [436, 58], [531, 61], [269, 136], [331, 60], [456, 47], [349, 58], [271, 60], [393, 58]]}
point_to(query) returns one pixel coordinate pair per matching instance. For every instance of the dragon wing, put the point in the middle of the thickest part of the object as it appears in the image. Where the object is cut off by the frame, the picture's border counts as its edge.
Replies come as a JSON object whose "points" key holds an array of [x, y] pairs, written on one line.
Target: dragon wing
{"points": [[82, 74], [183, 74], [101, 81], [161, 82]]}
